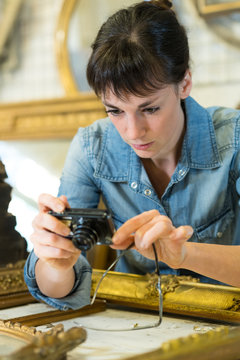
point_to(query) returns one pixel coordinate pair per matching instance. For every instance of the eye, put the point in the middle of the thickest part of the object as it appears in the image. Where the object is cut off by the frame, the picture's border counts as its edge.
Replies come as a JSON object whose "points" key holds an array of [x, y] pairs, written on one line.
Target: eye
{"points": [[151, 110], [114, 112]]}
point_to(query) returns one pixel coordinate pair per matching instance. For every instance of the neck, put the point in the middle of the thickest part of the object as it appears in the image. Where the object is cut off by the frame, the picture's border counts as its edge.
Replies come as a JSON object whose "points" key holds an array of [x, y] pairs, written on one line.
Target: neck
{"points": [[171, 155]]}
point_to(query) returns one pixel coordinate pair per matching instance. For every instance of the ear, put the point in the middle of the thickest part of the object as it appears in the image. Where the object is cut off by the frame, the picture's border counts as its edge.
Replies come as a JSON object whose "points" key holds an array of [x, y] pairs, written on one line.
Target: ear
{"points": [[185, 85]]}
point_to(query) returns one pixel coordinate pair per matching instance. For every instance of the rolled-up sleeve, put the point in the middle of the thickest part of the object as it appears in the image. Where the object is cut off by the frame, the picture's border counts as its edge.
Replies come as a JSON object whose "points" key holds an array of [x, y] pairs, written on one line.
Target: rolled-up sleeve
{"points": [[80, 294], [238, 188]]}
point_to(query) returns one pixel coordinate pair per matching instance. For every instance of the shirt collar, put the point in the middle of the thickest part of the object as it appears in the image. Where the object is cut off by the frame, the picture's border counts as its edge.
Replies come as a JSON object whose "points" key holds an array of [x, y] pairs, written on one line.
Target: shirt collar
{"points": [[199, 145], [117, 161], [114, 157]]}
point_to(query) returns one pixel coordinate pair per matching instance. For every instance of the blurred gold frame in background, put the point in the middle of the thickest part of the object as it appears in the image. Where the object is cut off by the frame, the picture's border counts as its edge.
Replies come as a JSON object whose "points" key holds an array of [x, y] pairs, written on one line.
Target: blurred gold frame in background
{"points": [[53, 118], [61, 117]]}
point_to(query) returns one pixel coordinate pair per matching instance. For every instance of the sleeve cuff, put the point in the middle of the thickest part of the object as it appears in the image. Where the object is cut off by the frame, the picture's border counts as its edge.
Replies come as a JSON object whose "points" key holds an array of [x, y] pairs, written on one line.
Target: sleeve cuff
{"points": [[80, 294]]}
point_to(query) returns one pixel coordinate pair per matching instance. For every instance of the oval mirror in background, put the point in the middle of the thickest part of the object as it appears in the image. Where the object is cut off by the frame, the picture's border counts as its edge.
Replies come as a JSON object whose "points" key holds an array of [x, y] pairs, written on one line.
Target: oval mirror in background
{"points": [[78, 24]]}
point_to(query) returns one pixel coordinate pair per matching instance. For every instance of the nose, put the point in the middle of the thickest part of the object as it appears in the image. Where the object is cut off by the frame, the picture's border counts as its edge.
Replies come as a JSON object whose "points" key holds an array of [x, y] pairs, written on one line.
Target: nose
{"points": [[136, 128]]}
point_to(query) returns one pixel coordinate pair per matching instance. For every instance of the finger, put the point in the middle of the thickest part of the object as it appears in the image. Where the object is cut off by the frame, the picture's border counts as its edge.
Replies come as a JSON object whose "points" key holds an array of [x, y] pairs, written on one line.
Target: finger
{"points": [[161, 231], [63, 198], [154, 230], [125, 244], [48, 202], [47, 252], [130, 226], [47, 239], [50, 223]]}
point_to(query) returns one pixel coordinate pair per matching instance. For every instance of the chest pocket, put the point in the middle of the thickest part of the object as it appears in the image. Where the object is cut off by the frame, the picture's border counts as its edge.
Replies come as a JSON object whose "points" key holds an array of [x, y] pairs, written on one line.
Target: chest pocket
{"points": [[218, 230]]}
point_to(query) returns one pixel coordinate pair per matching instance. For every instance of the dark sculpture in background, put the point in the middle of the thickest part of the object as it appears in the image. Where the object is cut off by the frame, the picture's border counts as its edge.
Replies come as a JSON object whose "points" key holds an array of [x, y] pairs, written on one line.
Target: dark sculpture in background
{"points": [[13, 246]]}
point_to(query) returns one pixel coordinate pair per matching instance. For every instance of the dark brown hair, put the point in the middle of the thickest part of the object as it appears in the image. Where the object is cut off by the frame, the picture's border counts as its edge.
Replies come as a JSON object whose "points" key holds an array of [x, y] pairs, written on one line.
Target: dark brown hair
{"points": [[138, 50]]}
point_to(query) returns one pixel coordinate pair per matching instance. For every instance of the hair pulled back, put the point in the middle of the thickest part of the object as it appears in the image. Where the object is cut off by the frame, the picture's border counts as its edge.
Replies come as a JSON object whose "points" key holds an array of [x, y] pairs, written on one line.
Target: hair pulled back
{"points": [[138, 50]]}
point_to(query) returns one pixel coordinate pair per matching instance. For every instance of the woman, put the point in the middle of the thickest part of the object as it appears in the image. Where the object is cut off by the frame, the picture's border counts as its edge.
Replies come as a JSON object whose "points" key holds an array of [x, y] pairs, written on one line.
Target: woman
{"points": [[167, 168]]}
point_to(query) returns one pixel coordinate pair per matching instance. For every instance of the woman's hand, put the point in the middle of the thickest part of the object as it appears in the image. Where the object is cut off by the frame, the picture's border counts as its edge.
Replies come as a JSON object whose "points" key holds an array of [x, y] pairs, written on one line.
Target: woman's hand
{"points": [[48, 237], [150, 227]]}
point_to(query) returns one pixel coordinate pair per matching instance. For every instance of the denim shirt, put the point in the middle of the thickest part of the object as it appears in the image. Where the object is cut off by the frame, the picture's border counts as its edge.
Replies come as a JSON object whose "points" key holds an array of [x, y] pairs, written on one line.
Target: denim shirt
{"points": [[203, 192]]}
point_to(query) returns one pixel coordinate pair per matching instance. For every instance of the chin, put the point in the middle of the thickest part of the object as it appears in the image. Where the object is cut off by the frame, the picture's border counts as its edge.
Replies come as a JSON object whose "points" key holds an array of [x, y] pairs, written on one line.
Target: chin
{"points": [[144, 154]]}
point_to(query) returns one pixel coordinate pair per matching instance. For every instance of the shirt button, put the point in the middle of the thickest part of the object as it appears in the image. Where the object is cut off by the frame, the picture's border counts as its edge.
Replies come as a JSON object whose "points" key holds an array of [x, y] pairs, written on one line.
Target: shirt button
{"points": [[181, 172], [219, 234], [134, 185], [147, 192]]}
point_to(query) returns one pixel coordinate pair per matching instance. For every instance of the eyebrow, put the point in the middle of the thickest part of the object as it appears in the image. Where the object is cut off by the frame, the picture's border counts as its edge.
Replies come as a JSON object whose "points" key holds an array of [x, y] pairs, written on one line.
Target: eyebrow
{"points": [[146, 103]]}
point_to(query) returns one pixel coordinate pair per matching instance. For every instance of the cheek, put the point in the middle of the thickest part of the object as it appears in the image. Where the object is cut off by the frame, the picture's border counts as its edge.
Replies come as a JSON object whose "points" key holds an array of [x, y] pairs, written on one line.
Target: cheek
{"points": [[159, 125], [119, 125], [164, 125]]}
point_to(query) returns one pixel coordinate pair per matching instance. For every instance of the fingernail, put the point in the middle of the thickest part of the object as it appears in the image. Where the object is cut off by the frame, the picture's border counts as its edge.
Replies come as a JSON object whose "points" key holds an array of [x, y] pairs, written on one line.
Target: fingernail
{"points": [[59, 207], [144, 245], [115, 239], [190, 232], [66, 231]]}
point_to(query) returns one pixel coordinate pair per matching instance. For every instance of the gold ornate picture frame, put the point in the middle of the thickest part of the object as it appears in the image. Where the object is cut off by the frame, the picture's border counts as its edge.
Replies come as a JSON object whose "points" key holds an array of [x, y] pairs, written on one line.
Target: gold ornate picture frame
{"points": [[182, 296], [26, 343], [49, 119], [220, 344]]}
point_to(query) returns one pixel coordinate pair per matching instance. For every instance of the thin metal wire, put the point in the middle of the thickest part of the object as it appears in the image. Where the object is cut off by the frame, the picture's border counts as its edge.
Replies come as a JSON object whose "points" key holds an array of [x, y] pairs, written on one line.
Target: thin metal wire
{"points": [[108, 269], [158, 286]]}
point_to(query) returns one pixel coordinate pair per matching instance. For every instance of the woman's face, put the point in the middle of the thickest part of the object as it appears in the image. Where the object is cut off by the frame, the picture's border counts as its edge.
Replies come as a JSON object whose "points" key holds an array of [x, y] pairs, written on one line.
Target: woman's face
{"points": [[151, 125]]}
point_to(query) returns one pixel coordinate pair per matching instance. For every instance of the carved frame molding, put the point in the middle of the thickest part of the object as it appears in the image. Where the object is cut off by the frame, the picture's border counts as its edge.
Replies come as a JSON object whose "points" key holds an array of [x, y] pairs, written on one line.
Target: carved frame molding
{"points": [[45, 119], [181, 296], [221, 344], [37, 342]]}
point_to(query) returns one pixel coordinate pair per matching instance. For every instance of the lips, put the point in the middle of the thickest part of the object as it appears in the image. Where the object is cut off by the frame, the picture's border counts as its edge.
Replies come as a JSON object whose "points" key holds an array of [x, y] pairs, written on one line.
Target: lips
{"points": [[142, 146]]}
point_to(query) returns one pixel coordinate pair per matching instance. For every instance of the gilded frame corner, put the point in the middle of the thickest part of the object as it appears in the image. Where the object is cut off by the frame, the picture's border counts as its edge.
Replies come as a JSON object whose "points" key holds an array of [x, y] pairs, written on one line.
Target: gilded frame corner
{"points": [[13, 290], [37, 342]]}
